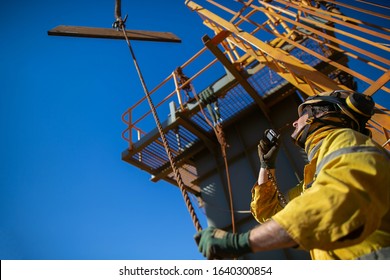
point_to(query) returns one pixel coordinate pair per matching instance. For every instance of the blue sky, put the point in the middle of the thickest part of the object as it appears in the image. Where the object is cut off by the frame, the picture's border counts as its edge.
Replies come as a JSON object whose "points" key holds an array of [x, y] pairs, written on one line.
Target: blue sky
{"points": [[65, 193]]}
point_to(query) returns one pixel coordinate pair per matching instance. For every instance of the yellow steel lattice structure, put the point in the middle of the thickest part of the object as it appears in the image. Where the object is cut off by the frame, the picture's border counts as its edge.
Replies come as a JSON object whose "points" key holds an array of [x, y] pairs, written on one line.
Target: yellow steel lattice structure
{"points": [[288, 22], [270, 49]]}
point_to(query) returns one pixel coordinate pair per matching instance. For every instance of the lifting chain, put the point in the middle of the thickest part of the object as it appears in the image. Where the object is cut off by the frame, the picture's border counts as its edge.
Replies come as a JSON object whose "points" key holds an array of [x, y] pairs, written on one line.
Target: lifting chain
{"points": [[206, 99], [281, 198], [121, 26]]}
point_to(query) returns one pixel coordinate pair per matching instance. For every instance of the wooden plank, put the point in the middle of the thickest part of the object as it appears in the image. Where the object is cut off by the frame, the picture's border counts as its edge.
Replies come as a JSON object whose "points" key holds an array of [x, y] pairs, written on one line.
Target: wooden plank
{"points": [[110, 33]]}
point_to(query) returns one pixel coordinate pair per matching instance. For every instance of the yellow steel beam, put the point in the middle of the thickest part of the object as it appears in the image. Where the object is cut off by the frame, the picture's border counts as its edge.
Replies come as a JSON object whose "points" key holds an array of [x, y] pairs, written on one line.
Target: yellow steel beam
{"points": [[358, 50], [303, 76], [378, 84], [212, 46], [333, 29], [338, 3]]}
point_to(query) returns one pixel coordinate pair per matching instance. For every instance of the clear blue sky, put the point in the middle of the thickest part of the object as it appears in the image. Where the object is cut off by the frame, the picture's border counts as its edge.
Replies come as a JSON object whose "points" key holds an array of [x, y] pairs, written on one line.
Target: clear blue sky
{"points": [[65, 193]]}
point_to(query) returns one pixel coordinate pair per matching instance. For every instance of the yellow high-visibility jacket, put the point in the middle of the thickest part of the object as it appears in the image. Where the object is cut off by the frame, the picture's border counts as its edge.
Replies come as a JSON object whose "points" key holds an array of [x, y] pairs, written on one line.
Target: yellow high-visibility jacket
{"points": [[341, 210]]}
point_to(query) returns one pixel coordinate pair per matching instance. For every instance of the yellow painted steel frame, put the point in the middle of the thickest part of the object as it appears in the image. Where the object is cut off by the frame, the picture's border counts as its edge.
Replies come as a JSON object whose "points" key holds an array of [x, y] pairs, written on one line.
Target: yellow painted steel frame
{"points": [[285, 20]]}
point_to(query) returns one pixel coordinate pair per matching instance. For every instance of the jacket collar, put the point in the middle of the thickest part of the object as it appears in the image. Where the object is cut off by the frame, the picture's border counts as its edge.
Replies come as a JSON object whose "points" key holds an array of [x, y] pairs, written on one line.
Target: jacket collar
{"points": [[314, 141]]}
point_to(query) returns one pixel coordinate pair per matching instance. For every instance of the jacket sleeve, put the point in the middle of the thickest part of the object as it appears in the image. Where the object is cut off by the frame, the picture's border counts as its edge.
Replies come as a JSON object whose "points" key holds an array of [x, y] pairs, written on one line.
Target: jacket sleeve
{"points": [[265, 202], [345, 204]]}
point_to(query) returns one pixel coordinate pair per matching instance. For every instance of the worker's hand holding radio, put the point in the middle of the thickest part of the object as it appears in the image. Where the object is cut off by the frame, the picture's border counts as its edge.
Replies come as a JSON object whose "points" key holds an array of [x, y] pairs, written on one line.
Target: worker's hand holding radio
{"points": [[268, 149]]}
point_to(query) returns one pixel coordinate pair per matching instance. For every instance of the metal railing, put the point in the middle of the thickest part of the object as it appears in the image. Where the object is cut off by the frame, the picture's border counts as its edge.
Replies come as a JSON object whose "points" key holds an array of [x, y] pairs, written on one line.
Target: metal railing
{"points": [[285, 24]]}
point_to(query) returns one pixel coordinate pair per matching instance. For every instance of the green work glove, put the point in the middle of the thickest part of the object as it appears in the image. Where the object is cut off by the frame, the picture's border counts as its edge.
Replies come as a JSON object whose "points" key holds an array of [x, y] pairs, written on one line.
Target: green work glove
{"points": [[267, 153], [215, 243]]}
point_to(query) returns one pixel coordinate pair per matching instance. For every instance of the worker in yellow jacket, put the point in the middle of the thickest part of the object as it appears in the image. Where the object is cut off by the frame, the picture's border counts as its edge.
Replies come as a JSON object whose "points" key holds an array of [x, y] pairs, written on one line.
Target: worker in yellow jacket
{"points": [[341, 210]]}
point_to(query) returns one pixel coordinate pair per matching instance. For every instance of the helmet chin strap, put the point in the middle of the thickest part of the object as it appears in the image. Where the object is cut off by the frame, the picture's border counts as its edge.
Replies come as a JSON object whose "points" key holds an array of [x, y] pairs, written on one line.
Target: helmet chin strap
{"points": [[313, 124], [333, 110], [301, 136]]}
